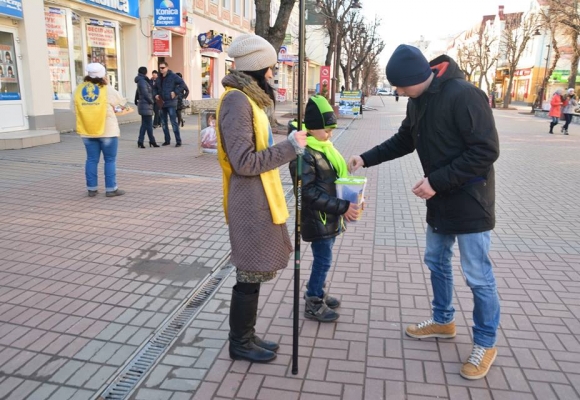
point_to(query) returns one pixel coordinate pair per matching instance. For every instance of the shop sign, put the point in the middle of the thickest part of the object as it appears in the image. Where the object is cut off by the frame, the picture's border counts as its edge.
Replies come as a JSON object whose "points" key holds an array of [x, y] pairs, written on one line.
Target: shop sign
{"points": [[100, 36], [129, 8], [522, 72], [12, 8], [284, 56], [325, 78], [213, 42], [167, 13], [281, 95], [161, 43], [562, 76]]}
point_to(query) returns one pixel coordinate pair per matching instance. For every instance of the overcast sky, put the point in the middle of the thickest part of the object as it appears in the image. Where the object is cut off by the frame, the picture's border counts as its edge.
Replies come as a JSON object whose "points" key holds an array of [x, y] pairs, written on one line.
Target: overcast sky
{"points": [[405, 21]]}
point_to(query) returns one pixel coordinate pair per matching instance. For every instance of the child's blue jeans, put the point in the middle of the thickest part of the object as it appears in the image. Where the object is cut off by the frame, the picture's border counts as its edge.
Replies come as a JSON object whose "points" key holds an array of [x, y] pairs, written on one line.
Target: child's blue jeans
{"points": [[322, 252]]}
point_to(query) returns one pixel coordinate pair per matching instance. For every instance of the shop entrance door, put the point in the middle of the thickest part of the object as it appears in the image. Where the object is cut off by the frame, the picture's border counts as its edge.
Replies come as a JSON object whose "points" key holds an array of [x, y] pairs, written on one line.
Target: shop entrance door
{"points": [[12, 107]]}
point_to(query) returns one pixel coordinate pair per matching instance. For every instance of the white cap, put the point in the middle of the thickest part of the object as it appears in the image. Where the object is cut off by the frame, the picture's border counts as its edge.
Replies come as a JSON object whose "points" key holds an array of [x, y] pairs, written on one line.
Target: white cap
{"points": [[96, 70], [252, 53]]}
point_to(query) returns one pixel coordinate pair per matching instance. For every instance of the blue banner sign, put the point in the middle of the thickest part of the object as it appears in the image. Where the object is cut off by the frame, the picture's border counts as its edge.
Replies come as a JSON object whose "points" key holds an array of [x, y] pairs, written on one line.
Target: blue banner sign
{"points": [[129, 8], [167, 13], [9, 96], [12, 8]]}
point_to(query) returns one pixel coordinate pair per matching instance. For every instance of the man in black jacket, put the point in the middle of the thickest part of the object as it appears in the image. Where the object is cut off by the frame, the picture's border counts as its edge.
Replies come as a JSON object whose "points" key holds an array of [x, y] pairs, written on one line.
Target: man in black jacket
{"points": [[450, 124], [166, 89]]}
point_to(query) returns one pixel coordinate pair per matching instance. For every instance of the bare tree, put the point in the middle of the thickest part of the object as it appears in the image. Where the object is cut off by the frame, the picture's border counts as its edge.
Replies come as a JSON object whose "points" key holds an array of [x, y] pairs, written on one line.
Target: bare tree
{"points": [[273, 34], [467, 59], [518, 30], [486, 54], [567, 14]]}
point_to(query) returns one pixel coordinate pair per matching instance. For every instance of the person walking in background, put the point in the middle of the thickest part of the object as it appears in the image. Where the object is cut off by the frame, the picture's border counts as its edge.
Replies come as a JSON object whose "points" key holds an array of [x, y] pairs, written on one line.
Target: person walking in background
{"points": [[569, 107], [254, 204], [156, 110], [396, 95], [450, 124], [180, 97], [555, 109], [166, 91], [322, 211], [145, 102], [94, 103]]}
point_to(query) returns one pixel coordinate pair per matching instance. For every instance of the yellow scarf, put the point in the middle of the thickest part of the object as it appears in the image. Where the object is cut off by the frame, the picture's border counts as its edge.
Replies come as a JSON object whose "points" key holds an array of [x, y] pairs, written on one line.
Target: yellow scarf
{"points": [[270, 179], [91, 109]]}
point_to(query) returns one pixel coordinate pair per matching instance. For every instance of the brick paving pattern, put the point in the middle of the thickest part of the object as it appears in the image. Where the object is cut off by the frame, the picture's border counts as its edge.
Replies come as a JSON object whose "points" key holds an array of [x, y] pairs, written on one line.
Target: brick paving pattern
{"points": [[84, 282]]}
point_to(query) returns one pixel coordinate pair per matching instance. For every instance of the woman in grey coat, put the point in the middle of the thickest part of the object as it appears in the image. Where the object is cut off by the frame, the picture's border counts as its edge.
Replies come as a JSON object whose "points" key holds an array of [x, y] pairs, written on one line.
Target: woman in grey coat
{"points": [[144, 101], [254, 203]]}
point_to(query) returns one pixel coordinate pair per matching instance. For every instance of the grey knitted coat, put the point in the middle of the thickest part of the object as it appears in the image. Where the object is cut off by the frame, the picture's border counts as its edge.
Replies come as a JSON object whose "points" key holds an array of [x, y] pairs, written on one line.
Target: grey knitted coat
{"points": [[258, 245]]}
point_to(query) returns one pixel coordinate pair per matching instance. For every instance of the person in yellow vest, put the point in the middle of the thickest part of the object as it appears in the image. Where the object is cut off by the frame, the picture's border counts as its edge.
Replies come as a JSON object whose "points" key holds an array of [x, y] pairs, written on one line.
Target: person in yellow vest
{"points": [[254, 203], [95, 102]]}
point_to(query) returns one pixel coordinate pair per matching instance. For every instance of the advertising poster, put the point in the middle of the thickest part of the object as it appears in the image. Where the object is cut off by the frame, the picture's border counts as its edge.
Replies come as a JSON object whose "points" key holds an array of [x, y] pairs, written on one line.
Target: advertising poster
{"points": [[207, 132], [350, 103], [161, 43], [11, 8], [58, 54], [9, 88], [100, 36], [167, 13]]}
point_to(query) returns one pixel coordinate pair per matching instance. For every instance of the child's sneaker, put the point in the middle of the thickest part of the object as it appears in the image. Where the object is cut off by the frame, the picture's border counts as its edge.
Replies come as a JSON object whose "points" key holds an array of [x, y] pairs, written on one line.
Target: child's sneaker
{"points": [[331, 302], [430, 329], [316, 308], [478, 363]]}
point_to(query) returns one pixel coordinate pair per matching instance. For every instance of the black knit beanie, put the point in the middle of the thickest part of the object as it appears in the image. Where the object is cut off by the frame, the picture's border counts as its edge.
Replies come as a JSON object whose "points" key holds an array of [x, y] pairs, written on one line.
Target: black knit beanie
{"points": [[407, 67], [319, 114]]}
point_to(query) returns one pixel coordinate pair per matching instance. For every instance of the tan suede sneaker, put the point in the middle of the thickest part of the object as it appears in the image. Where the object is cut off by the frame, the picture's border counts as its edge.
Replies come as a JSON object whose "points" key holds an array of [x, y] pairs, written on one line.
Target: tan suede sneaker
{"points": [[478, 363], [429, 329]]}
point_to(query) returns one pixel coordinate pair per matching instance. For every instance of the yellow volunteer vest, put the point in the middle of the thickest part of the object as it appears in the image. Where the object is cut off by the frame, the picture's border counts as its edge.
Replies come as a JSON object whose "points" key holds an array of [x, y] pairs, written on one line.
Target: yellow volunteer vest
{"points": [[91, 109], [270, 179]]}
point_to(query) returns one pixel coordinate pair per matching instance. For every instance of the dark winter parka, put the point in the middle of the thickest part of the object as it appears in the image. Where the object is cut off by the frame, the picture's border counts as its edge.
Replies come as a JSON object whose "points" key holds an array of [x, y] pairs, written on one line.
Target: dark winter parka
{"points": [[164, 85], [321, 210], [452, 128], [144, 94]]}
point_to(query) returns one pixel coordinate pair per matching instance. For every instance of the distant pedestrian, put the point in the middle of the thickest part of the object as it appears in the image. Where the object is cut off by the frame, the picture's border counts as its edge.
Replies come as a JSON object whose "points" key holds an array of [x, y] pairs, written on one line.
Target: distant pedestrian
{"points": [[396, 95], [156, 109], [94, 103], [254, 203], [450, 124], [145, 102], [166, 90], [556, 108], [322, 211], [570, 105], [180, 105]]}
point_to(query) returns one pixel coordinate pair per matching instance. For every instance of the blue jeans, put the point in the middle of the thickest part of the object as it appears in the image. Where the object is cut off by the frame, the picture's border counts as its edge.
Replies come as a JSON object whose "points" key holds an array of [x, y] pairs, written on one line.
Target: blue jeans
{"points": [[555, 120], [172, 112], [322, 252], [146, 126], [108, 146], [568, 118], [477, 269]]}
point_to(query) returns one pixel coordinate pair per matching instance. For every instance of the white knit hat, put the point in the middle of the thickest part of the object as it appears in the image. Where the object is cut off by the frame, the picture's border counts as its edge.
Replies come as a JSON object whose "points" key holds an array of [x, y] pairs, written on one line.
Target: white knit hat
{"points": [[252, 53], [96, 70]]}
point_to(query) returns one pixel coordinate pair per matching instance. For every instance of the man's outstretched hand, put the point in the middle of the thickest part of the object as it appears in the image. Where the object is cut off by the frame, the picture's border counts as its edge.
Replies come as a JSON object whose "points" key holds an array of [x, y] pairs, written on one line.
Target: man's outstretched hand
{"points": [[354, 163]]}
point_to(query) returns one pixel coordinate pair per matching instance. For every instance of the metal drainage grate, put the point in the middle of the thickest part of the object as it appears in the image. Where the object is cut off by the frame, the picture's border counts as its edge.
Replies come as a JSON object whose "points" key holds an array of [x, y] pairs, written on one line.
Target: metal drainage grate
{"points": [[138, 367]]}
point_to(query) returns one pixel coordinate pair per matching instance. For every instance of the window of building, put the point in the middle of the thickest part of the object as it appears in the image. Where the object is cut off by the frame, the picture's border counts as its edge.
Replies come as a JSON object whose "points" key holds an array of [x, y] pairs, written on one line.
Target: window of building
{"points": [[102, 47], [214, 1], [58, 52], [9, 85], [226, 4], [207, 77], [247, 9], [238, 7]]}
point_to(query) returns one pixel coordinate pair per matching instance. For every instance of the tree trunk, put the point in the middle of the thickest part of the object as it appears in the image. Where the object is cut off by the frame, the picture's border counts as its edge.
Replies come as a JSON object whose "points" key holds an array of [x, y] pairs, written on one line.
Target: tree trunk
{"points": [[275, 34], [575, 61], [507, 99]]}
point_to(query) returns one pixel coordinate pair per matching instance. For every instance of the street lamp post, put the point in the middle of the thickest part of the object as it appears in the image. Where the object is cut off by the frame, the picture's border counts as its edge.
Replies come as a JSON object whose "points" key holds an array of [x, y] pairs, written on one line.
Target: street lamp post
{"points": [[545, 81]]}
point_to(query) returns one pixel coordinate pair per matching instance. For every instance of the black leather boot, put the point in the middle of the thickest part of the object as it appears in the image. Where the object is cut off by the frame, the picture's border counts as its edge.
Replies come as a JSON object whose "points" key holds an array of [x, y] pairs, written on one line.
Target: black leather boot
{"points": [[242, 336]]}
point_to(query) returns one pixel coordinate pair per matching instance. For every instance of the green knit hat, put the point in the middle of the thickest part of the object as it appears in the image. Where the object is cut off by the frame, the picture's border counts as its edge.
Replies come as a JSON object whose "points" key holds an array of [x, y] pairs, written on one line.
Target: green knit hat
{"points": [[319, 114]]}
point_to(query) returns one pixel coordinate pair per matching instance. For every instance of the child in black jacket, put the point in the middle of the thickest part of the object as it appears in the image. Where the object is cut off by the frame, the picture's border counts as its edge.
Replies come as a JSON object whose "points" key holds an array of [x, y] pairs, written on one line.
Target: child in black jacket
{"points": [[322, 211]]}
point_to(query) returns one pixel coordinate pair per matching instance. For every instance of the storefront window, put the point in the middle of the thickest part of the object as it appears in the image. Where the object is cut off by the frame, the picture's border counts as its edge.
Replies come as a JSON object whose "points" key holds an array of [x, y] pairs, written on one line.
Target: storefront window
{"points": [[102, 47], [58, 52], [9, 86], [78, 48], [229, 65], [207, 75]]}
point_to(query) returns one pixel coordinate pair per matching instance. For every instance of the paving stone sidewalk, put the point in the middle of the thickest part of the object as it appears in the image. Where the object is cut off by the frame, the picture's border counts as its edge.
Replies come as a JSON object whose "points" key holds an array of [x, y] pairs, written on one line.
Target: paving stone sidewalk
{"points": [[83, 284]]}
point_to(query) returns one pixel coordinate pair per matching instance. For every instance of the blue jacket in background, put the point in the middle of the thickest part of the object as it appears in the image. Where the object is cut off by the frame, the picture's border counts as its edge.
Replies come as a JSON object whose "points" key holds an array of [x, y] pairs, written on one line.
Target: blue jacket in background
{"points": [[144, 95]]}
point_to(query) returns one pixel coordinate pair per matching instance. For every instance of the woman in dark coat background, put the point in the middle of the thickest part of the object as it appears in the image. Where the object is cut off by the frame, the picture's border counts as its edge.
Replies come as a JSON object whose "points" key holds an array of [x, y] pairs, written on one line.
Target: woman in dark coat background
{"points": [[254, 202], [145, 102]]}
